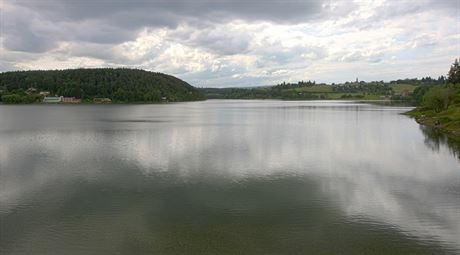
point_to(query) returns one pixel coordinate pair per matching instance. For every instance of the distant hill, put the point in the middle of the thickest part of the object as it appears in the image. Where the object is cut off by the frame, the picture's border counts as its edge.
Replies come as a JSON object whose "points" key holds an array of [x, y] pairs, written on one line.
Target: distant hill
{"points": [[119, 84], [307, 90]]}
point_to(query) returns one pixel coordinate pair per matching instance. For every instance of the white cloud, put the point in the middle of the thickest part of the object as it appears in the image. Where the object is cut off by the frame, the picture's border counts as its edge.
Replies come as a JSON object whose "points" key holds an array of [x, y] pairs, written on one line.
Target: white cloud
{"points": [[373, 40]]}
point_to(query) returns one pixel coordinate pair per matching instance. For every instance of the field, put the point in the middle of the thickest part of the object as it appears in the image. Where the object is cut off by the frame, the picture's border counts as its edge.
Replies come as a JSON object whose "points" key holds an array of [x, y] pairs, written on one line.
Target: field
{"points": [[315, 89], [399, 88]]}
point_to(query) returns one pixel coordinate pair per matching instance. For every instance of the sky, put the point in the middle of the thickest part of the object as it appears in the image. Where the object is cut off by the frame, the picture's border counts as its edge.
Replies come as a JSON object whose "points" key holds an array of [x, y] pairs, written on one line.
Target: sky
{"points": [[228, 43]]}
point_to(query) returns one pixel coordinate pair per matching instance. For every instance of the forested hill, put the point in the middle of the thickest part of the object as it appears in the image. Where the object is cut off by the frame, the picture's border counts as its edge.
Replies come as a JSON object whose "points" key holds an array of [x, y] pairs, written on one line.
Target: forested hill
{"points": [[120, 85]]}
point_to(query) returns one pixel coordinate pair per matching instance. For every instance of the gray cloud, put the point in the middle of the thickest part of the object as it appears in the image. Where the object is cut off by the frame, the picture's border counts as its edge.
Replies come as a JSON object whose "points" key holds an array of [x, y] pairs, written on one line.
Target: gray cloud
{"points": [[5, 66], [111, 22], [453, 5], [98, 51], [225, 42], [28, 41], [21, 34], [171, 12]]}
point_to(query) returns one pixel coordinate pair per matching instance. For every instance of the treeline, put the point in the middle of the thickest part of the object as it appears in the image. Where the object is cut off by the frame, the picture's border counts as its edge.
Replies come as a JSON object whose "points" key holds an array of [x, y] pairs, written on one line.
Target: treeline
{"points": [[299, 84], [237, 93], [425, 81], [259, 93], [402, 90], [374, 87], [439, 106], [440, 98], [118, 84], [19, 98]]}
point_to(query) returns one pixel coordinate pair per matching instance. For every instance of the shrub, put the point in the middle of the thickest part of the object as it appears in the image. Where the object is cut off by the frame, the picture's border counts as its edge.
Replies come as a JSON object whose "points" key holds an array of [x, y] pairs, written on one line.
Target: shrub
{"points": [[11, 99], [437, 98]]}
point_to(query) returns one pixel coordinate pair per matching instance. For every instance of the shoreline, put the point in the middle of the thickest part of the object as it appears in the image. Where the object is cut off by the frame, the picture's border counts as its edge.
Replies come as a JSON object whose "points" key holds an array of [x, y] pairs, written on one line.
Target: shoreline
{"points": [[200, 100], [112, 103], [422, 118]]}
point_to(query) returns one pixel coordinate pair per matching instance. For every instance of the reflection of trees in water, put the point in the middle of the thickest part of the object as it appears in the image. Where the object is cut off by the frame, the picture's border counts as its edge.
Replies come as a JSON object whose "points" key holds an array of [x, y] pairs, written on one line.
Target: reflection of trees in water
{"points": [[434, 139], [405, 103]]}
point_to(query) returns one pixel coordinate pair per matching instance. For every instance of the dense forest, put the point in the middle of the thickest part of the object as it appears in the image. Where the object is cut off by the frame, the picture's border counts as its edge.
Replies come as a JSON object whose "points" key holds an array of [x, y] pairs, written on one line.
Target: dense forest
{"points": [[120, 85]]}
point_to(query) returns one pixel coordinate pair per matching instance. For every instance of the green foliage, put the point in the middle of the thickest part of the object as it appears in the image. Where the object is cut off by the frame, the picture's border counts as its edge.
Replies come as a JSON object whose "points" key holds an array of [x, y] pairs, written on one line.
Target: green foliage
{"points": [[375, 88], [439, 106], [300, 84], [350, 96], [438, 98], [305, 91], [12, 99], [316, 89], [425, 81], [407, 90], [19, 99], [121, 85], [419, 93], [454, 73]]}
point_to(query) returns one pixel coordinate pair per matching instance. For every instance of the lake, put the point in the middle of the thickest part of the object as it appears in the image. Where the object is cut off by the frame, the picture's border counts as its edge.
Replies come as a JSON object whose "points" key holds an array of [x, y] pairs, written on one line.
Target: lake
{"points": [[225, 177]]}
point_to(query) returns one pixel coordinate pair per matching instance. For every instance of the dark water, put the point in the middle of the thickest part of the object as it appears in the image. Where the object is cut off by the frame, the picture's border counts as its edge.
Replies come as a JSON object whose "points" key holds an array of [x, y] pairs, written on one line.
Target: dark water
{"points": [[225, 177]]}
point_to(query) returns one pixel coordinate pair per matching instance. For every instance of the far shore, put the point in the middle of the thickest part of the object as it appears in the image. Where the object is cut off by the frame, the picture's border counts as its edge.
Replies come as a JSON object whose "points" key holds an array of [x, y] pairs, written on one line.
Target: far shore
{"points": [[389, 101]]}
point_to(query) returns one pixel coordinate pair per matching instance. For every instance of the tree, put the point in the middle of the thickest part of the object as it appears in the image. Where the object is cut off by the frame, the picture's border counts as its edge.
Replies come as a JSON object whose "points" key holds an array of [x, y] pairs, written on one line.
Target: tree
{"points": [[77, 92], [454, 73], [12, 99], [438, 99]]}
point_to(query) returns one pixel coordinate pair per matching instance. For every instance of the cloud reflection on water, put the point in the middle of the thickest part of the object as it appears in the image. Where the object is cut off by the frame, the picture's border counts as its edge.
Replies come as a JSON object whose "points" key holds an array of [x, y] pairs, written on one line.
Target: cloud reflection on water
{"points": [[370, 161]]}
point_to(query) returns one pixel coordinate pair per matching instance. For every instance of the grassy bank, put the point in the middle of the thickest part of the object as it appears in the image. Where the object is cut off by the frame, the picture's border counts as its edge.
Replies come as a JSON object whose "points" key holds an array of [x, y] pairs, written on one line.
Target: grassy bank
{"points": [[447, 121], [439, 106]]}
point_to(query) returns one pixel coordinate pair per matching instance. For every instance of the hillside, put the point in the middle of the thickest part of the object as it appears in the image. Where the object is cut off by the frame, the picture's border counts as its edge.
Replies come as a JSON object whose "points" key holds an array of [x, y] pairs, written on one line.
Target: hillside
{"points": [[401, 90], [120, 85]]}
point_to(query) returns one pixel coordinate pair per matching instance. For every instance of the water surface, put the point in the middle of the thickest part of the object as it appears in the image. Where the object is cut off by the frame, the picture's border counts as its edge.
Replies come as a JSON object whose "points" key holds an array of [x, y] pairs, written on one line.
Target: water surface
{"points": [[225, 177]]}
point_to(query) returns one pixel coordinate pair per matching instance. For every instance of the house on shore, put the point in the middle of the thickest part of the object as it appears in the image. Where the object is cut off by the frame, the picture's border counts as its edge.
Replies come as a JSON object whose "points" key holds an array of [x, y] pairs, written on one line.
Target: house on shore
{"points": [[71, 100], [44, 93], [52, 99]]}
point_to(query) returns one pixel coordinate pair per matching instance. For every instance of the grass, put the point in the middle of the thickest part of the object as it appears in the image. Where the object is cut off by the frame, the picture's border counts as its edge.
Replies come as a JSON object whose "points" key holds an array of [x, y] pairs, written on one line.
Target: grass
{"points": [[315, 89], [447, 121], [399, 88]]}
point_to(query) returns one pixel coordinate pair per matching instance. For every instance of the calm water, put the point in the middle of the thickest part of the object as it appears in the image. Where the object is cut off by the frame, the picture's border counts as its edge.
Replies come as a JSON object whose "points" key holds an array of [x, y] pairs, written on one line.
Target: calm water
{"points": [[225, 177]]}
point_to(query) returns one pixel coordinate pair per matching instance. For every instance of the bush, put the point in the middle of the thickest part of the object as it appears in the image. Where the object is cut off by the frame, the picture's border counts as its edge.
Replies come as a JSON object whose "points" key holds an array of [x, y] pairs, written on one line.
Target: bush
{"points": [[20, 99], [419, 93], [438, 99], [12, 99]]}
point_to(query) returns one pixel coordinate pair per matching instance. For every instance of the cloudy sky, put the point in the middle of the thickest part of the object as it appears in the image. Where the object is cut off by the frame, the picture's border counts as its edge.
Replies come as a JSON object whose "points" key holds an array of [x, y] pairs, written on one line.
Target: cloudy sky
{"points": [[222, 43]]}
